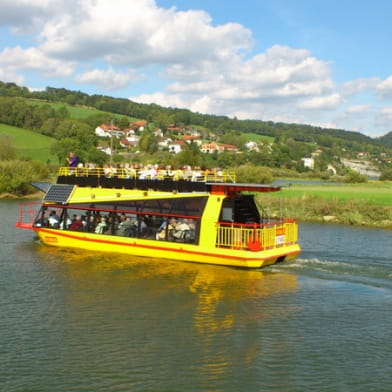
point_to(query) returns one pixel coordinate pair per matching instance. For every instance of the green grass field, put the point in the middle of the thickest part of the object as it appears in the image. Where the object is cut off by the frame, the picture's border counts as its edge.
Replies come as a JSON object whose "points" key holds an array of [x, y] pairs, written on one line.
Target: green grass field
{"points": [[375, 192], [30, 144], [77, 112], [256, 138]]}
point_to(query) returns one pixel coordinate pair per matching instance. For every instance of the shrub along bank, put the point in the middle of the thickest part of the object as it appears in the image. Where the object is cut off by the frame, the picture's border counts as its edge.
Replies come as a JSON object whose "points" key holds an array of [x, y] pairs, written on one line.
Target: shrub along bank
{"points": [[15, 176]]}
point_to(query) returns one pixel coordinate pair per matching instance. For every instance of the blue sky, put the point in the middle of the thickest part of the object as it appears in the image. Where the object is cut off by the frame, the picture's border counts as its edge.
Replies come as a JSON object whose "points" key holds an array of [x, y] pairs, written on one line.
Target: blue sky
{"points": [[325, 63]]}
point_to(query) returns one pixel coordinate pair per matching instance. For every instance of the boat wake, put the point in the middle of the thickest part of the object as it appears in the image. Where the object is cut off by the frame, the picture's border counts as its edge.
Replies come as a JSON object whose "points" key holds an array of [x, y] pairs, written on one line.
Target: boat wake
{"points": [[375, 274]]}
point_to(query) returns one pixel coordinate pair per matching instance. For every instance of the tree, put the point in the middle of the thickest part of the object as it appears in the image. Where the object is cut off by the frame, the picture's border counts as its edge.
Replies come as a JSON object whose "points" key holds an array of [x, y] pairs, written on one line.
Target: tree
{"points": [[386, 175], [63, 147], [354, 177], [254, 174], [148, 142], [7, 149]]}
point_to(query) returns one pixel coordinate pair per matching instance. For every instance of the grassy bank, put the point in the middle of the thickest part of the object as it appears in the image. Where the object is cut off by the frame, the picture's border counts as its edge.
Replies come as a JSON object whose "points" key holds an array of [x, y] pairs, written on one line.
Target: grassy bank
{"points": [[367, 204], [30, 144]]}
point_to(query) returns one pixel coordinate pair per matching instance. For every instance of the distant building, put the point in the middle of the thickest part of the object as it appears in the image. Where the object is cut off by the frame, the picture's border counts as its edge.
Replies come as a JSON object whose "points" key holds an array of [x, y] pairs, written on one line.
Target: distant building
{"points": [[308, 162], [105, 130], [139, 125], [176, 146], [210, 148]]}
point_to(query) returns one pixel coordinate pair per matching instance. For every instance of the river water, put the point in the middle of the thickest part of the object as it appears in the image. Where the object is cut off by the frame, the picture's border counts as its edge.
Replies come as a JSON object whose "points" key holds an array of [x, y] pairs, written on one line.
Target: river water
{"points": [[83, 321]]}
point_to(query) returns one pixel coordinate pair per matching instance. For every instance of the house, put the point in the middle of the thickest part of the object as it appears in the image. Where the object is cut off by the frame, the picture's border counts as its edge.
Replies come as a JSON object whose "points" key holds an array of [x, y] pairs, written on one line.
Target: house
{"points": [[176, 146], [105, 130], [308, 162], [191, 139], [126, 143], [157, 132], [106, 150], [229, 147], [252, 146], [139, 125], [316, 153], [164, 142], [210, 148]]}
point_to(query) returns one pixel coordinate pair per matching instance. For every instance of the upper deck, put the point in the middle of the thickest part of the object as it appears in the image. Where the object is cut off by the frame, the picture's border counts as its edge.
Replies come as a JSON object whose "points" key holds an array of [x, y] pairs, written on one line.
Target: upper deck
{"points": [[215, 182]]}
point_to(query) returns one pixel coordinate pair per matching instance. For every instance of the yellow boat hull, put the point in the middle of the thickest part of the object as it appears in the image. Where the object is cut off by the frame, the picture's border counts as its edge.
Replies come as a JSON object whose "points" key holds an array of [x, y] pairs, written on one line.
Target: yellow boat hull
{"points": [[167, 250]]}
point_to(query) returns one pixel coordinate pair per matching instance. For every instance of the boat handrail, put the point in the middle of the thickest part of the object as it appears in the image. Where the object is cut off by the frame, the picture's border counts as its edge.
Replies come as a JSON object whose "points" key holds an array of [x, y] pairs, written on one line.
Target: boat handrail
{"points": [[260, 237], [148, 174], [270, 222]]}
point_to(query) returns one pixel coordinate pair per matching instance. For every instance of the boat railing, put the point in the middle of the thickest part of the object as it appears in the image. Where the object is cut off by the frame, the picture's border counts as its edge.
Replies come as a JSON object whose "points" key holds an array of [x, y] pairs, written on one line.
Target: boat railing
{"points": [[257, 237], [148, 174], [27, 214]]}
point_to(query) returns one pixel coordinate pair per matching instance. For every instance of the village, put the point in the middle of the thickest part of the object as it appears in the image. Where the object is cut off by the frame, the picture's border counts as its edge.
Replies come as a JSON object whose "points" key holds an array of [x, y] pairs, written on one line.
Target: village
{"points": [[129, 138]]}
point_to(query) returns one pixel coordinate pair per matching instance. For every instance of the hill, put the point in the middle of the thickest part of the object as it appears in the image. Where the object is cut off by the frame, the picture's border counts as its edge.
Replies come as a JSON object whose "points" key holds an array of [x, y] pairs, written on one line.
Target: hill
{"points": [[30, 144], [70, 117], [386, 140]]}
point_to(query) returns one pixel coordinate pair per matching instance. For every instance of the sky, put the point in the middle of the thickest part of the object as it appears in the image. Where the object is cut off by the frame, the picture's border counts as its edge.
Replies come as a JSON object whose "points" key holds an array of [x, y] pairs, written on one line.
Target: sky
{"points": [[317, 62]]}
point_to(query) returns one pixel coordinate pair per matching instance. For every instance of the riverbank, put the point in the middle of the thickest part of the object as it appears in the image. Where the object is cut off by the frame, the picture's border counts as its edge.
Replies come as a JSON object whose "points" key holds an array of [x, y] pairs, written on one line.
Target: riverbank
{"points": [[367, 204], [30, 196]]}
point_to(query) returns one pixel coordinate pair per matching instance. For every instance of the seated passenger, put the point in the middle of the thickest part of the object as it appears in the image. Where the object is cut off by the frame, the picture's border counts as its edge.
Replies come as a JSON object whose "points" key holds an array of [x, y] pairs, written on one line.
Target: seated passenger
{"points": [[126, 227], [141, 226], [181, 230], [166, 229], [101, 226], [64, 225], [77, 224], [54, 220]]}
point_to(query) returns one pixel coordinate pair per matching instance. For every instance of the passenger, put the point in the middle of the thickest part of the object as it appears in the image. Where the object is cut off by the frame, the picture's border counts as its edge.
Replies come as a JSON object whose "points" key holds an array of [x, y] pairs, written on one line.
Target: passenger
{"points": [[77, 224], [188, 173], [143, 173], [182, 230], [90, 226], [64, 225], [73, 161], [54, 220], [101, 226], [130, 171], [141, 226], [125, 226], [170, 172], [107, 171], [84, 222], [178, 175], [152, 172], [196, 174], [161, 232]]}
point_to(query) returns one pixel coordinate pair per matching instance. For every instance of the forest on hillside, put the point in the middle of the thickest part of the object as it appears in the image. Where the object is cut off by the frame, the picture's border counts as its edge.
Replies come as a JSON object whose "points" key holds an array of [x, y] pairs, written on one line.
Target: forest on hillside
{"points": [[290, 142]]}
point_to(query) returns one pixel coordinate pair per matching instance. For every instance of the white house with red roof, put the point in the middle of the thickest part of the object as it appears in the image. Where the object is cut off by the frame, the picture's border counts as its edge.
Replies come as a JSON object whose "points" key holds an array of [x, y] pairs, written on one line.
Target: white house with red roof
{"points": [[105, 130]]}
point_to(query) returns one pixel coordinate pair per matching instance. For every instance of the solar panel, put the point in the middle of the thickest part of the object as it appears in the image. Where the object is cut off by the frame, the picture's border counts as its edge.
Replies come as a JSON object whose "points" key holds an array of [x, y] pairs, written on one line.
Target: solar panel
{"points": [[59, 193]]}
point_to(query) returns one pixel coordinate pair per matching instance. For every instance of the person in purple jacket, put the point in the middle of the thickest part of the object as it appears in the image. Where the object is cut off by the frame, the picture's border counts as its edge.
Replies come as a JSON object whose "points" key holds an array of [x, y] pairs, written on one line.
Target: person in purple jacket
{"points": [[72, 160]]}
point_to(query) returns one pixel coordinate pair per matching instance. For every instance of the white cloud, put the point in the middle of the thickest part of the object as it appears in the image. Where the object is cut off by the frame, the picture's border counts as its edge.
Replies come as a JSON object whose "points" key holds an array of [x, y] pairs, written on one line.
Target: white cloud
{"points": [[18, 58], [357, 109], [384, 117], [109, 79], [359, 85], [27, 16], [321, 103], [7, 75], [384, 88], [138, 32]]}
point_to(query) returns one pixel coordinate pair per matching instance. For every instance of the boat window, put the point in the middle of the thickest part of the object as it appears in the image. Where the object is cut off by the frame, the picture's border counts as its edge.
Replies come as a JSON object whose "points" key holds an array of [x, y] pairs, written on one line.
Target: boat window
{"points": [[176, 220]]}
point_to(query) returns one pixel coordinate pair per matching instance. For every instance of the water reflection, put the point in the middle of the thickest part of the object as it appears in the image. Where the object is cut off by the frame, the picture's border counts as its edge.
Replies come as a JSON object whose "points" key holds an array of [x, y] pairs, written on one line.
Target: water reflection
{"points": [[151, 308]]}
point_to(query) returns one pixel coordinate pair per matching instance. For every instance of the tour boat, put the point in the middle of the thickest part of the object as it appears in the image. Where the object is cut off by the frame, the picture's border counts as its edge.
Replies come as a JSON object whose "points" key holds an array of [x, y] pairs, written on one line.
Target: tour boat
{"points": [[202, 218]]}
